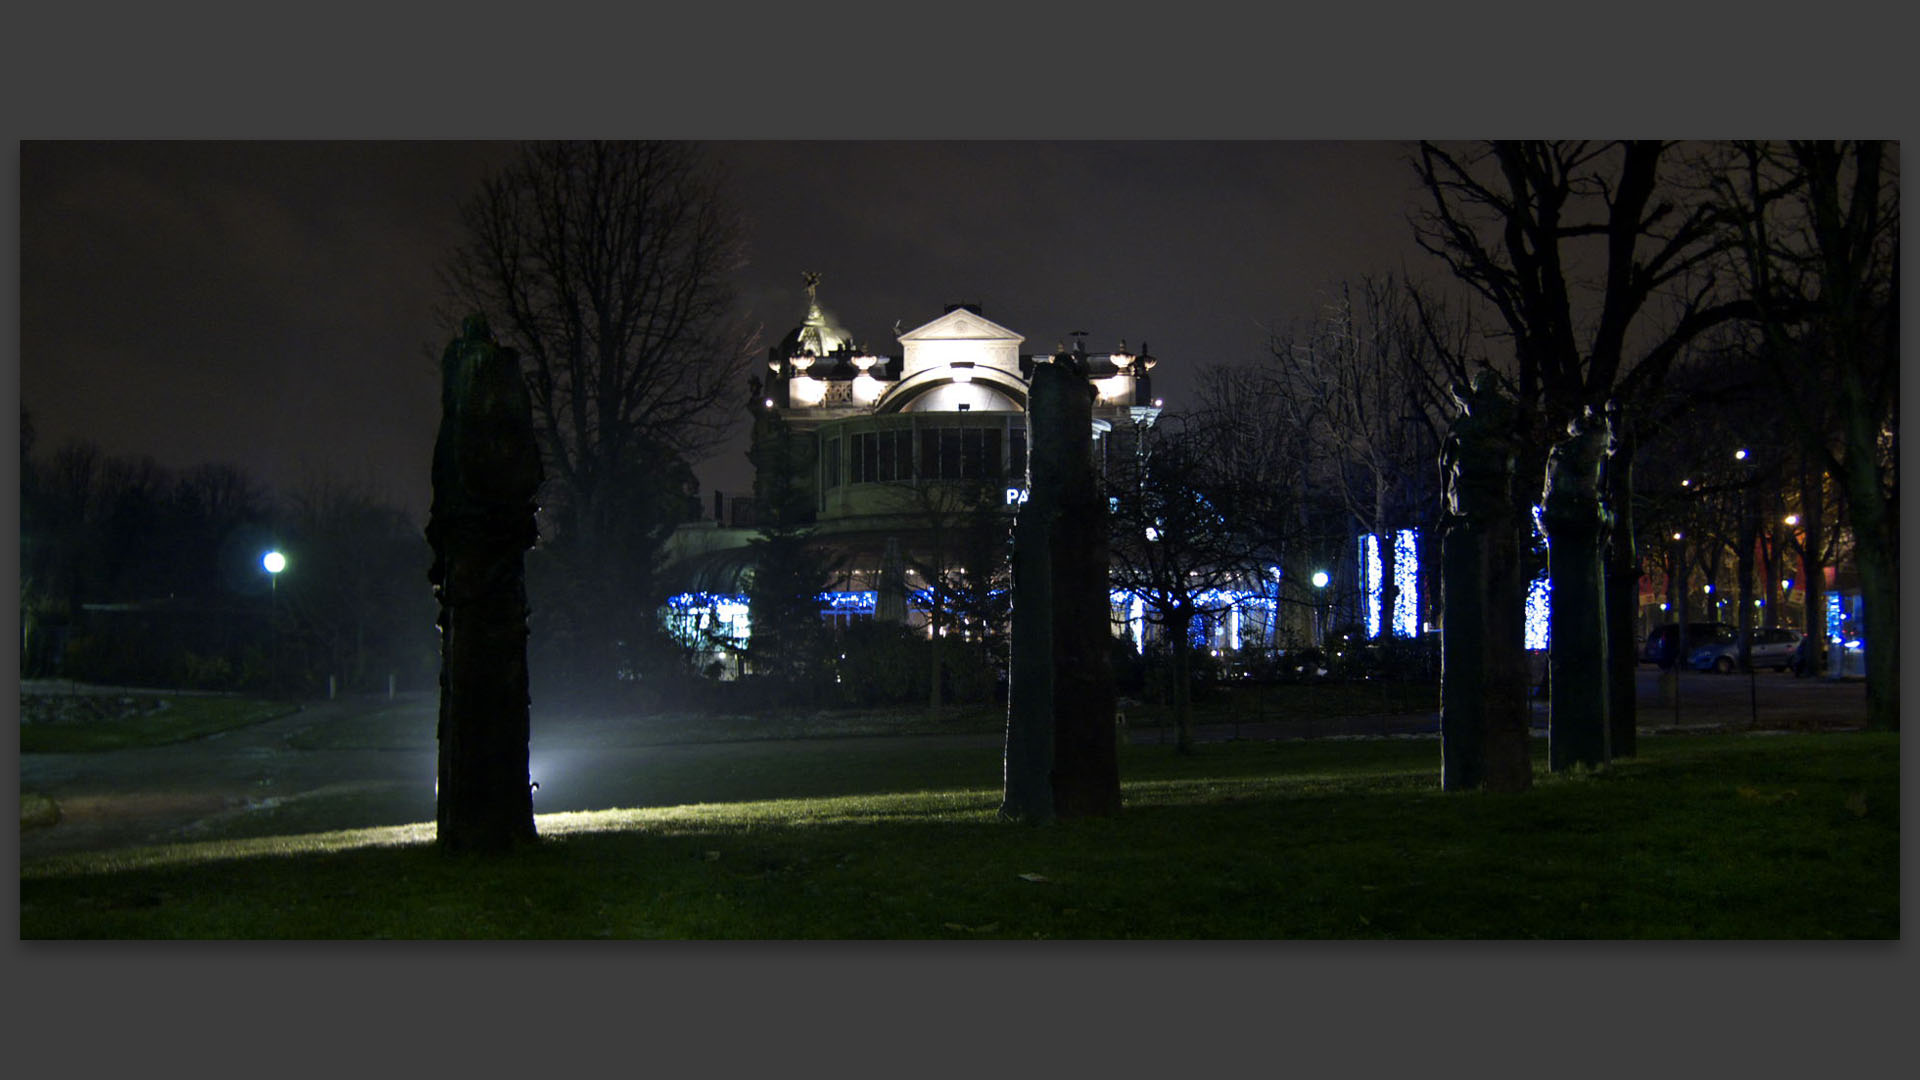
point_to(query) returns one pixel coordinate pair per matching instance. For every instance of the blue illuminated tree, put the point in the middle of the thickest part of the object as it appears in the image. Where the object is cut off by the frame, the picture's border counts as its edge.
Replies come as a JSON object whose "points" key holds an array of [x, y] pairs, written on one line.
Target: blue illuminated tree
{"points": [[1364, 382], [1175, 541]]}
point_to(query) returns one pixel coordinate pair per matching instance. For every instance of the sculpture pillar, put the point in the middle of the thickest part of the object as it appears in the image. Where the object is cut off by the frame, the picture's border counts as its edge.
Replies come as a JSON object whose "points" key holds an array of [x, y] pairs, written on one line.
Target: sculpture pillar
{"points": [[1086, 769], [1483, 706], [1027, 793], [486, 473], [1061, 751], [1578, 732]]}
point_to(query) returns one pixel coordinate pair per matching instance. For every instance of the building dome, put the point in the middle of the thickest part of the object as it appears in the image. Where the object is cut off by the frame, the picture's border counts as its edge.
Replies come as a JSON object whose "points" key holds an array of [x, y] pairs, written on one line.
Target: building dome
{"points": [[821, 334]]}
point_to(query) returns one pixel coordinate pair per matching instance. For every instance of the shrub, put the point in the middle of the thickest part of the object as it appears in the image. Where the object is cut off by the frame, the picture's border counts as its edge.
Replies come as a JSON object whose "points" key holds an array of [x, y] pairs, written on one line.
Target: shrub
{"points": [[1129, 667], [880, 664], [1203, 673], [199, 672]]}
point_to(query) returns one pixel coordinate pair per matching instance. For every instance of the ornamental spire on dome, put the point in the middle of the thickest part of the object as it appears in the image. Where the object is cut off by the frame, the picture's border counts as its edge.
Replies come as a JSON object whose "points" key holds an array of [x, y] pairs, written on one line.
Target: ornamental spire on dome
{"points": [[819, 334]]}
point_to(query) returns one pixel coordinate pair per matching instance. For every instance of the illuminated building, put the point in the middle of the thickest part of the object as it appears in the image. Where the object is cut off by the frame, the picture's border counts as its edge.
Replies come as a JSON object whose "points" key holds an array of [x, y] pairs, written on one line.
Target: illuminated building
{"points": [[894, 448]]}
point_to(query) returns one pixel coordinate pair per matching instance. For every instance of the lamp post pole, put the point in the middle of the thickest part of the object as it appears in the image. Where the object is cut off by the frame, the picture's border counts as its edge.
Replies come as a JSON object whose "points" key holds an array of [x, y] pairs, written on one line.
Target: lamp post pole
{"points": [[1320, 580], [274, 562]]}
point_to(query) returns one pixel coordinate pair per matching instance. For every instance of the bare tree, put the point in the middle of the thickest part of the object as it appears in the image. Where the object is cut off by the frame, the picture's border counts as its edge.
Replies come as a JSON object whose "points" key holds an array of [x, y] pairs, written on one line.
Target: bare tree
{"points": [[1267, 466], [962, 560], [609, 267], [1598, 264], [1816, 229], [1176, 544], [1365, 384], [355, 601]]}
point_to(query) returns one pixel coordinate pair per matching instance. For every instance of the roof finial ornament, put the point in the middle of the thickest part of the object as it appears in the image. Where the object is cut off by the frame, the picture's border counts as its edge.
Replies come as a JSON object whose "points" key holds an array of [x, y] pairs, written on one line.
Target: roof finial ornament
{"points": [[812, 278]]}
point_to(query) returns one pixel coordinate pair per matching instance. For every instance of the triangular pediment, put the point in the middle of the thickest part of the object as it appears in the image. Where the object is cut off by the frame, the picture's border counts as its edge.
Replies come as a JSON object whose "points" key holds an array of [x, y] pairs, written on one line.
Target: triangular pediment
{"points": [[962, 325]]}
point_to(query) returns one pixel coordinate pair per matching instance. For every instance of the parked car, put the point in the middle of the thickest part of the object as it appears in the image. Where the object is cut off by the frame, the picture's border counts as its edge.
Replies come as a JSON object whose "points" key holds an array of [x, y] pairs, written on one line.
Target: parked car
{"points": [[1767, 646], [1662, 648]]}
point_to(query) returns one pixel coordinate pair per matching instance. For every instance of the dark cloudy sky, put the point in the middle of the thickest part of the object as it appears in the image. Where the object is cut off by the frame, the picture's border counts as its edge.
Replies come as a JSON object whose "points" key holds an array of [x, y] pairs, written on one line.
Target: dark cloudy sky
{"points": [[273, 304]]}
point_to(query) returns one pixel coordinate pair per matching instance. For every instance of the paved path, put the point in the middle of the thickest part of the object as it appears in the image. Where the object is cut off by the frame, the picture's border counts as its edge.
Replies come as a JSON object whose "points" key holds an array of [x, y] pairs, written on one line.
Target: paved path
{"points": [[256, 779]]}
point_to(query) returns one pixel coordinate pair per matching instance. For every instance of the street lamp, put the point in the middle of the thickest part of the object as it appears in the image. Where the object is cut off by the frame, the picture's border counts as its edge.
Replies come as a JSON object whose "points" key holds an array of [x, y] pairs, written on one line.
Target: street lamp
{"points": [[1320, 580], [273, 562]]}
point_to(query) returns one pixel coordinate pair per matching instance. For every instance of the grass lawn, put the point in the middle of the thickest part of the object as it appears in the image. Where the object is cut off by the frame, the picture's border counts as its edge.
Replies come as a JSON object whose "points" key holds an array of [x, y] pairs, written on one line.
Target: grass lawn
{"points": [[119, 722], [1724, 836]]}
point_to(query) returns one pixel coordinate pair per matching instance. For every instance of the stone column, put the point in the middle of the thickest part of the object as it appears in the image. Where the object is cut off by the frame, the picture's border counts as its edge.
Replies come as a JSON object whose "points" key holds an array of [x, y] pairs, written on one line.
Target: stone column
{"points": [[1086, 770], [1483, 705], [1463, 736], [486, 473], [1027, 794], [1578, 677], [1061, 756]]}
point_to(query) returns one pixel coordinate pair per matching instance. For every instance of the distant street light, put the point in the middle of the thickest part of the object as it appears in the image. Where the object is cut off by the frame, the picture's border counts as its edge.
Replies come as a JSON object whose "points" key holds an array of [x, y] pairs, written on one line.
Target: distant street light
{"points": [[274, 562], [1320, 580]]}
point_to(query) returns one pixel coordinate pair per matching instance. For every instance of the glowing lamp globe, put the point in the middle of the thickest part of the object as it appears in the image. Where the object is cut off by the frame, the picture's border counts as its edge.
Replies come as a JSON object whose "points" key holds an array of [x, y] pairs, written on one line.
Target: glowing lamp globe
{"points": [[274, 562]]}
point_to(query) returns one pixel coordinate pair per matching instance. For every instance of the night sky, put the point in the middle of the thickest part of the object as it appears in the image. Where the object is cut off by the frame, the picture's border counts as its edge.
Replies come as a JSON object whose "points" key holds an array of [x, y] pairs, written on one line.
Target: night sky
{"points": [[274, 304]]}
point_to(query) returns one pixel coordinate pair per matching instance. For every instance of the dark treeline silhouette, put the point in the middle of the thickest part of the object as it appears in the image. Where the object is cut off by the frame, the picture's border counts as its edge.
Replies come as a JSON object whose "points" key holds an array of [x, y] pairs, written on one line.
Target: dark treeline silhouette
{"points": [[135, 574]]}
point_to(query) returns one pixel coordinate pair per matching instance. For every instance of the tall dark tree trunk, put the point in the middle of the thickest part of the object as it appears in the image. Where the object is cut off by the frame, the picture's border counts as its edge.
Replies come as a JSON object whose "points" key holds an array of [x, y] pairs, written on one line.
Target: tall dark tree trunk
{"points": [[1813, 566], [486, 471], [1854, 212], [1180, 679], [936, 644], [1880, 594], [1776, 533], [1875, 555], [1623, 591], [1744, 565]]}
